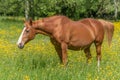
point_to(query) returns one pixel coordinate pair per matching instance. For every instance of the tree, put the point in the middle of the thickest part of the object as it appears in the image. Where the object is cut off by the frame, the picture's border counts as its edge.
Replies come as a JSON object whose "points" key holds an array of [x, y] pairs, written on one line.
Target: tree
{"points": [[26, 9], [116, 9], [29, 9], [74, 9]]}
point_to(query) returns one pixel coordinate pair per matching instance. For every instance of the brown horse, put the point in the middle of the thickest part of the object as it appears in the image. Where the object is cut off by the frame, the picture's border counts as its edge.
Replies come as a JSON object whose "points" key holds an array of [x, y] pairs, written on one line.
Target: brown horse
{"points": [[66, 34]]}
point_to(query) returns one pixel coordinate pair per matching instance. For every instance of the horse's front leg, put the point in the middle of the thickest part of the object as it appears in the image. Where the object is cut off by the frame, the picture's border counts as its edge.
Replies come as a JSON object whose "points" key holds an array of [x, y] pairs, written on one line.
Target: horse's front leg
{"points": [[88, 54], [64, 52], [57, 47]]}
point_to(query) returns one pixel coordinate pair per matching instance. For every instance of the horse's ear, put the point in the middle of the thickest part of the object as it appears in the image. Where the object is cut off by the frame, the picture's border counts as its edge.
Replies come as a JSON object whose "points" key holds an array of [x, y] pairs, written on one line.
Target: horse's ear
{"points": [[30, 21]]}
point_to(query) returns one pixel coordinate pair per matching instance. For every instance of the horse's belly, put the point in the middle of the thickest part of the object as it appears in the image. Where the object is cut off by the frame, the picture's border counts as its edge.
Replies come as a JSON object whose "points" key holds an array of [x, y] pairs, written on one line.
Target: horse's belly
{"points": [[75, 48], [79, 45], [81, 38]]}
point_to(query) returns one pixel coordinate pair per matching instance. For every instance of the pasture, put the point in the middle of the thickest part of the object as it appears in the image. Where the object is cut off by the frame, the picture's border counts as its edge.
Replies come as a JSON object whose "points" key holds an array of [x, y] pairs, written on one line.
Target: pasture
{"points": [[39, 61]]}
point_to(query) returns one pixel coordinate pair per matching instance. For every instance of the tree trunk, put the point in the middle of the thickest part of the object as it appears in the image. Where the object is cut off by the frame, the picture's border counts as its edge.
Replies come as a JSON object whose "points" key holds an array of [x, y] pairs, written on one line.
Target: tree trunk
{"points": [[26, 9], [116, 10]]}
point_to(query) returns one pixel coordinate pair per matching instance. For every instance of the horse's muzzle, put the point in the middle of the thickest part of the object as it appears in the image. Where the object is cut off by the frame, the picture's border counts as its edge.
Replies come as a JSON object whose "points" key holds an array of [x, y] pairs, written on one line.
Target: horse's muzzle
{"points": [[20, 45]]}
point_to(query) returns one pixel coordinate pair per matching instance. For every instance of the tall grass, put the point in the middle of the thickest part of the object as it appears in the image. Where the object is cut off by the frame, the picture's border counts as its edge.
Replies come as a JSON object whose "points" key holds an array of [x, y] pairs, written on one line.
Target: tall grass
{"points": [[39, 61]]}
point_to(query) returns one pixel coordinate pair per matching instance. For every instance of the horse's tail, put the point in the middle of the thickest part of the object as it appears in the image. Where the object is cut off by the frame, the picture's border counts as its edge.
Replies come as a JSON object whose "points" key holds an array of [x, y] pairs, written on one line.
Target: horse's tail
{"points": [[109, 29]]}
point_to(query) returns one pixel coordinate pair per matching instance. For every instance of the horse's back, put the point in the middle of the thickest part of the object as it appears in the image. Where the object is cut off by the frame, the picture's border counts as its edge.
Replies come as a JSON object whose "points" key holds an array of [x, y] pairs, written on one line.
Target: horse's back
{"points": [[95, 26], [91, 22]]}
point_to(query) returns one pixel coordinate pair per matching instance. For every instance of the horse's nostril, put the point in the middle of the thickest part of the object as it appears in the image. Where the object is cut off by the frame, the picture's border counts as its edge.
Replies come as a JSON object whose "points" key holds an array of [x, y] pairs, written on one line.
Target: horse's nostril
{"points": [[20, 45]]}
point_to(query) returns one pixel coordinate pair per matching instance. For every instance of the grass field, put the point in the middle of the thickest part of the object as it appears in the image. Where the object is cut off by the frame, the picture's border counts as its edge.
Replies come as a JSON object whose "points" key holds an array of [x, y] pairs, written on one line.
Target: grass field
{"points": [[39, 61]]}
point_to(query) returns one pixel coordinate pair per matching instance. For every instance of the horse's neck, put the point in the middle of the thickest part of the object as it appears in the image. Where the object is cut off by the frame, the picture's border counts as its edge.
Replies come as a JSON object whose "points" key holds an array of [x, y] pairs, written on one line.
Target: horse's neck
{"points": [[46, 29], [49, 27]]}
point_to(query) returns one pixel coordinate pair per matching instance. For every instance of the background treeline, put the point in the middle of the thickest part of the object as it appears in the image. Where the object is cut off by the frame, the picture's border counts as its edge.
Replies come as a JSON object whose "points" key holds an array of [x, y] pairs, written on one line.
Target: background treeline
{"points": [[74, 9]]}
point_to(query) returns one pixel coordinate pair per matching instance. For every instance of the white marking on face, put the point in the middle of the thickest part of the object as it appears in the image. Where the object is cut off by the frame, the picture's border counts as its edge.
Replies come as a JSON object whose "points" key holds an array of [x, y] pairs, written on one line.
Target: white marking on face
{"points": [[20, 38]]}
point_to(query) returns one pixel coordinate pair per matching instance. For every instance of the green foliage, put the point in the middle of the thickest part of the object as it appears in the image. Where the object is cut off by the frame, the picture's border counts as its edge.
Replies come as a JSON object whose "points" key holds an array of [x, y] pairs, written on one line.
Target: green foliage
{"points": [[11, 7], [75, 9]]}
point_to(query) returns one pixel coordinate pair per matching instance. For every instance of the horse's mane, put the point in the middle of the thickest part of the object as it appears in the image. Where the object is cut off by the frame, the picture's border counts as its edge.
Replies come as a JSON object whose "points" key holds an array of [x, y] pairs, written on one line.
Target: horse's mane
{"points": [[64, 19], [52, 18]]}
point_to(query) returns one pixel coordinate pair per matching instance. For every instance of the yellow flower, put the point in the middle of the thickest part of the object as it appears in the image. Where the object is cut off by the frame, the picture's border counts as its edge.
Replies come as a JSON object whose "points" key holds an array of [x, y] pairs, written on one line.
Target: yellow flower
{"points": [[108, 67], [90, 60], [110, 73], [97, 78], [26, 77], [89, 76]]}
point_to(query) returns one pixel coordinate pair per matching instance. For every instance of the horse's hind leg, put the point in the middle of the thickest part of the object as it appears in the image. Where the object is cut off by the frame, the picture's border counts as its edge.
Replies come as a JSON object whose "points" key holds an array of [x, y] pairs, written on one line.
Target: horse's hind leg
{"points": [[98, 50], [88, 54]]}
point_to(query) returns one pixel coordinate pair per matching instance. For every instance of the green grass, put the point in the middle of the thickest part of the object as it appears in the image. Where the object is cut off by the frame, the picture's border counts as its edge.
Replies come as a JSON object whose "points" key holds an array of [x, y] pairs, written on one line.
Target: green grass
{"points": [[39, 61]]}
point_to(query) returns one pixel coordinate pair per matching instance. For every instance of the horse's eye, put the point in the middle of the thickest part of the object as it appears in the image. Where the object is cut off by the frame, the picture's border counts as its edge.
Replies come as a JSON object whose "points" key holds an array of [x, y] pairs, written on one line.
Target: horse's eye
{"points": [[27, 31]]}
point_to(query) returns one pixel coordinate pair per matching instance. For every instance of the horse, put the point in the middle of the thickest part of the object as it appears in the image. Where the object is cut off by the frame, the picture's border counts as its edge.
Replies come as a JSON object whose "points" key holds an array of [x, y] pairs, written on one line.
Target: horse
{"points": [[66, 34]]}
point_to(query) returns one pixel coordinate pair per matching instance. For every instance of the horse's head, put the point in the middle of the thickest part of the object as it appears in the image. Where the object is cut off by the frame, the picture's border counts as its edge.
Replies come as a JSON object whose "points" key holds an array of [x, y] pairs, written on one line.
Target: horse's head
{"points": [[28, 33]]}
